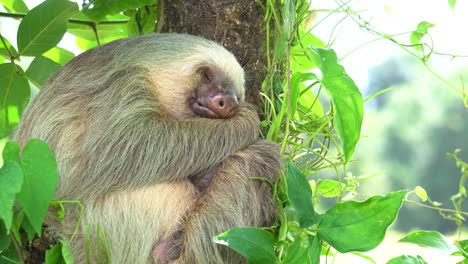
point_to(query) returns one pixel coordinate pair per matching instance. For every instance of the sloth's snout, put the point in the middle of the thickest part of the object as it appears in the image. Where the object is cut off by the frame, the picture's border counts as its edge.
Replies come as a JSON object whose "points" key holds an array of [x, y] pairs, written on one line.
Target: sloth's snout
{"points": [[223, 105]]}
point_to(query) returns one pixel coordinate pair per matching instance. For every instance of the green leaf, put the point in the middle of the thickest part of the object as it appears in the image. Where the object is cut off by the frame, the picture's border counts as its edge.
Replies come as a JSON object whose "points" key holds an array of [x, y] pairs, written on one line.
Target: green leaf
{"points": [[298, 251], [5, 239], [452, 3], [143, 19], [16, 225], [29, 229], [44, 26], [359, 226], [300, 195], [302, 58], [98, 9], [330, 188], [59, 55], [40, 181], [309, 103], [419, 33], [463, 247], [315, 248], [107, 32], [431, 239], [66, 252], [421, 193], [59, 253], [289, 17], [15, 6], [11, 255], [407, 260], [14, 96], [11, 179], [85, 44], [11, 152], [346, 99], [253, 243], [4, 52], [41, 69], [54, 254], [296, 80]]}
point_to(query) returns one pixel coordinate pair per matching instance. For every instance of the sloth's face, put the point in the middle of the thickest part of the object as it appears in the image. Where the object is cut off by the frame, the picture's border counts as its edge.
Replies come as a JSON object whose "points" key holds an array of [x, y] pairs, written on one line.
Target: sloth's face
{"points": [[216, 95]]}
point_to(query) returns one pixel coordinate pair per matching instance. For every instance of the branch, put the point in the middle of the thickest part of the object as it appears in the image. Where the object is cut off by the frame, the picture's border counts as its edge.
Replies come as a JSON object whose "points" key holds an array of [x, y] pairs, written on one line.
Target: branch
{"points": [[73, 21]]}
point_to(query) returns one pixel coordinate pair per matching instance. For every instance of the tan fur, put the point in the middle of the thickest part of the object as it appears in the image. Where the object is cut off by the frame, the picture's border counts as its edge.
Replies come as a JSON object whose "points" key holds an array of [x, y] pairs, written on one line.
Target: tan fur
{"points": [[118, 121]]}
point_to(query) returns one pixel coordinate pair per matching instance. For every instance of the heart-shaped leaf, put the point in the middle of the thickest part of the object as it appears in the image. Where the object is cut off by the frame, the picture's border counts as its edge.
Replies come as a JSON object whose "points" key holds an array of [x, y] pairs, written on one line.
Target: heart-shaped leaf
{"points": [[40, 181], [11, 179], [359, 226], [253, 243], [44, 26]]}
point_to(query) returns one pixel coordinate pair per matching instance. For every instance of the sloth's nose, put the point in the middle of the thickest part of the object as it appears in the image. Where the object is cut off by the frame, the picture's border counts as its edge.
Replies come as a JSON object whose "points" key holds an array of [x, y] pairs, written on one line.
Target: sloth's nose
{"points": [[223, 105]]}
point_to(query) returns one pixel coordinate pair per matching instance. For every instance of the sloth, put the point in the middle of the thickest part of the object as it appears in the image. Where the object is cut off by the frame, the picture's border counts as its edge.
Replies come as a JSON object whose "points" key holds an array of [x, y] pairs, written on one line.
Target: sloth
{"points": [[153, 136]]}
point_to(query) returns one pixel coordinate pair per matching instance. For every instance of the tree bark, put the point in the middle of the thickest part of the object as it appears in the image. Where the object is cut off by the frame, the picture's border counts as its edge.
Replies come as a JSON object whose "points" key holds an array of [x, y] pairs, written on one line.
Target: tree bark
{"points": [[238, 25]]}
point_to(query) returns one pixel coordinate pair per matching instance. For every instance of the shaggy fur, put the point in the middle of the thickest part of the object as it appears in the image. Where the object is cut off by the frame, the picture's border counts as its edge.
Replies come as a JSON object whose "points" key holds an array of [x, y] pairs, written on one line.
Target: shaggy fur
{"points": [[126, 141]]}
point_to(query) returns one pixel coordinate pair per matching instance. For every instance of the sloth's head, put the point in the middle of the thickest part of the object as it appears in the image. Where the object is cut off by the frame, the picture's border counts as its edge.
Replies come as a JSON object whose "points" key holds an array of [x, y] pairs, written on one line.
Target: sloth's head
{"points": [[191, 76]]}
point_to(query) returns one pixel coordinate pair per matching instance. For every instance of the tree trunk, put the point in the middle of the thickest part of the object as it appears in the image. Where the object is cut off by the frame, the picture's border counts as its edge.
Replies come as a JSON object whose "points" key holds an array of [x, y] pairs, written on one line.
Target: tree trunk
{"points": [[238, 25]]}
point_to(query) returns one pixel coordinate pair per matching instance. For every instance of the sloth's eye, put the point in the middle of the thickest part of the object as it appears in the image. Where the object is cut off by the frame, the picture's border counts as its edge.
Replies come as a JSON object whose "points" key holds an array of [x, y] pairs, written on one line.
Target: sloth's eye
{"points": [[206, 76]]}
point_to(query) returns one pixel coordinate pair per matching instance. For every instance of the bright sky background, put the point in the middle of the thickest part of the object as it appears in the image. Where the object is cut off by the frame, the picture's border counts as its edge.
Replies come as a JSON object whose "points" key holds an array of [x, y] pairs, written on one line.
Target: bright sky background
{"points": [[450, 33]]}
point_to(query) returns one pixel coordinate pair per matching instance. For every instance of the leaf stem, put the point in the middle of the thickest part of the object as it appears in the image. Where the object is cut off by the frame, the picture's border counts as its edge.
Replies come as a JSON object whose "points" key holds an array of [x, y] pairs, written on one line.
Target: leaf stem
{"points": [[59, 202], [12, 58], [435, 208], [18, 249]]}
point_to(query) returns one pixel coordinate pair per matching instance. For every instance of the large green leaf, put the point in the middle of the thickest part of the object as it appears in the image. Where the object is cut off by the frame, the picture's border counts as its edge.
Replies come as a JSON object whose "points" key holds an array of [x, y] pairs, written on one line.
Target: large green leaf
{"points": [[359, 226], [346, 99], [11, 178], [431, 239], [59, 55], [300, 195], [44, 26], [41, 69], [407, 260], [98, 9], [40, 181], [253, 243], [15, 6], [14, 96]]}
